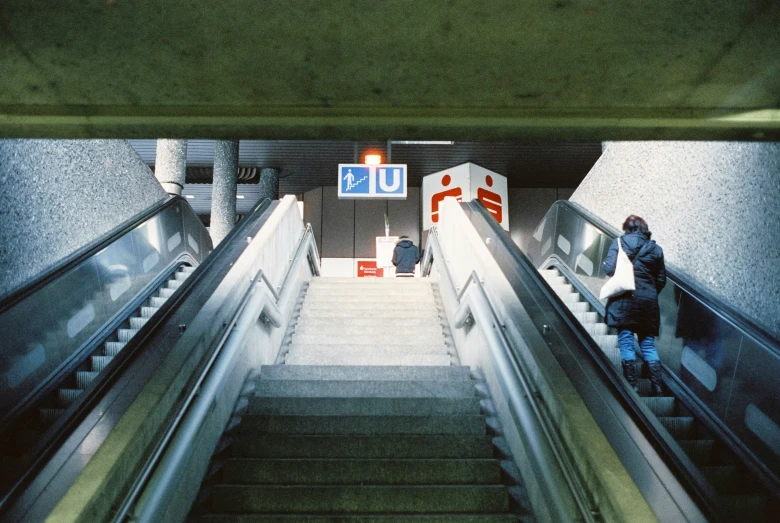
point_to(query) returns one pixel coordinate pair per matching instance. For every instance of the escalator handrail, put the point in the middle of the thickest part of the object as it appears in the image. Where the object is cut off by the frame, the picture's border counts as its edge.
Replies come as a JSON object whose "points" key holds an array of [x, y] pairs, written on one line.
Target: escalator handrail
{"points": [[160, 491], [768, 478], [689, 284], [82, 254], [558, 471], [666, 447], [114, 370]]}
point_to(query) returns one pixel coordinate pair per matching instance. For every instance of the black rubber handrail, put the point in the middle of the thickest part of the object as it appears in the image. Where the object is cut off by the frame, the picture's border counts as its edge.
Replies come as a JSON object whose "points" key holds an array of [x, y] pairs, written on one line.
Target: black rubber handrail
{"points": [[82, 254]]}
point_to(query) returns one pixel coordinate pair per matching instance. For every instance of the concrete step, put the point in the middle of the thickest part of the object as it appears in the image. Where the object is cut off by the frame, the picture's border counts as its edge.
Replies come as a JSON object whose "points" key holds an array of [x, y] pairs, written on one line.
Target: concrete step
{"points": [[442, 446], [304, 358], [341, 282], [360, 499], [355, 372], [370, 290], [363, 389], [407, 337], [377, 350], [431, 321], [460, 424], [360, 518], [370, 299], [363, 406], [362, 471], [382, 328], [361, 306], [427, 313]]}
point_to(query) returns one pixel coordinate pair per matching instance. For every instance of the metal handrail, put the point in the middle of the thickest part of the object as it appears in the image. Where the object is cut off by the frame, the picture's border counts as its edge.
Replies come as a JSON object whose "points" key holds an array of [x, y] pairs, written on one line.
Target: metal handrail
{"points": [[156, 482], [567, 497]]}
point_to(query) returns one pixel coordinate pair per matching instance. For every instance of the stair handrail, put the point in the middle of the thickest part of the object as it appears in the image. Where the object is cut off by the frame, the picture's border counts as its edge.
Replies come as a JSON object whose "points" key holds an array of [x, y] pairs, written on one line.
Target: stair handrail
{"points": [[158, 479], [562, 487]]}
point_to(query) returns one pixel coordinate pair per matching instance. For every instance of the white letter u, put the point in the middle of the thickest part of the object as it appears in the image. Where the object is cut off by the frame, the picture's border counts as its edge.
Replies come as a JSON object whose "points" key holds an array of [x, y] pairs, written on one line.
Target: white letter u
{"points": [[383, 180]]}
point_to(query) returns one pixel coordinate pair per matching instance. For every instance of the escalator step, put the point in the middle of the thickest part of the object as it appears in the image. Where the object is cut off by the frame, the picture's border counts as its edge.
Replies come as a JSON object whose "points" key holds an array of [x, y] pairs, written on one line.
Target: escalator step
{"points": [[606, 341], [596, 329], [580, 306], [644, 386], [182, 275], [173, 284], [746, 509], [571, 298], [563, 289], [700, 451], [587, 317], [661, 406], [157, 302], [166, 293], [84, 378], [614, 357], [148, 312], [137, 323], [99, 362], [679, 427], [126, 335], [112, 348], [49, 416], [187, 269], [724, 478], [66, 397]]}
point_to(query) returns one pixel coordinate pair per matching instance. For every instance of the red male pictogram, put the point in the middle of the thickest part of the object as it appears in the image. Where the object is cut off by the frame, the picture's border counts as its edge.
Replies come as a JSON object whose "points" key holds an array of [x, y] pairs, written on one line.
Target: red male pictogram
{"points": [[437, 198], [491, 200]]}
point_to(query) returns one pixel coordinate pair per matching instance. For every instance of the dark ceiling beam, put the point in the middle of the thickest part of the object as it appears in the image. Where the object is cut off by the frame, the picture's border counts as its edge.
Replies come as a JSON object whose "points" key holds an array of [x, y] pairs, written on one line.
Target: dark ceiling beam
{"points": [[393, 69]]}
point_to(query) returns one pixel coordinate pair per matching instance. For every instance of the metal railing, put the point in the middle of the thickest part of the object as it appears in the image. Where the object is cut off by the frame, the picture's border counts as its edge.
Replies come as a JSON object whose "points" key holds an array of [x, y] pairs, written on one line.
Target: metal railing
{"points": [[155, 486], [567, 498]]}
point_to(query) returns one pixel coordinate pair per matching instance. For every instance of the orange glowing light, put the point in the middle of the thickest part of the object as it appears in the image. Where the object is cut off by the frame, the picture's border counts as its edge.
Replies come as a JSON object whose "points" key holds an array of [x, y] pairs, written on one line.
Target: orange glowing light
{"points": [[373, 159]]}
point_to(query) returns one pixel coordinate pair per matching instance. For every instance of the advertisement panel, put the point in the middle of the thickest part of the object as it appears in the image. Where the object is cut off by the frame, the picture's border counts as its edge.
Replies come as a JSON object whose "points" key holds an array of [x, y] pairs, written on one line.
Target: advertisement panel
{"points": [[467, 181]]}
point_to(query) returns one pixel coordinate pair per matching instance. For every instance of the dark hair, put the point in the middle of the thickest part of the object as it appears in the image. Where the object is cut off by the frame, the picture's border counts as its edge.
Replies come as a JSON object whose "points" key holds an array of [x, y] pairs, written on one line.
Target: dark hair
{"points": [[636, 224]]}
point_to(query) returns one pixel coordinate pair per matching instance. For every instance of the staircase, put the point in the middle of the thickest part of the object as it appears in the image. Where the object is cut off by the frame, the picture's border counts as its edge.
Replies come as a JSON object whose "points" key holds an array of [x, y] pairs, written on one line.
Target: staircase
{"points": [[739, 494], [364, 420]]}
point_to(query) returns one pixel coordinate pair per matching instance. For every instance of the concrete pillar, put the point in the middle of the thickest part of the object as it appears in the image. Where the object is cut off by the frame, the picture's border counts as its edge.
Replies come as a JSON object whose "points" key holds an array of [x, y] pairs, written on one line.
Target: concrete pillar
{"points": [[170, 165], [223, 191], [269, 183]]}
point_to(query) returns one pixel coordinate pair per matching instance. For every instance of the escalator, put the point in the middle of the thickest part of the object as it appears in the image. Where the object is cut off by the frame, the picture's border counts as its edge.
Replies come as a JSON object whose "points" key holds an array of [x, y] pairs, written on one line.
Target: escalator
{"points": [[726, 462], [66, 334]]}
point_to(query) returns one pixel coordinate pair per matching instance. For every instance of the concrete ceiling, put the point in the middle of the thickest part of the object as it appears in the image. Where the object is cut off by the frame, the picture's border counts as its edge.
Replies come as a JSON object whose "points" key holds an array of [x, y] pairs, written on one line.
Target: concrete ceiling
{"points": [[588, 70]]}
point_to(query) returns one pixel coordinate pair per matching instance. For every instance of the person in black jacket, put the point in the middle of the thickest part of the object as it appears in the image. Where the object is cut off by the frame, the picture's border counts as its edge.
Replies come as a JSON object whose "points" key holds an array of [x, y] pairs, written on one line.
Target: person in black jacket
{"points": [[637, 312], [405, 256]]}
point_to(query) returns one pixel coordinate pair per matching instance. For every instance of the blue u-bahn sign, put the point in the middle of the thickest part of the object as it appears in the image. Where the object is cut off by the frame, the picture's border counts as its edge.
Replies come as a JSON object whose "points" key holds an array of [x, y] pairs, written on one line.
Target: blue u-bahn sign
{"points": [[357, 180]]}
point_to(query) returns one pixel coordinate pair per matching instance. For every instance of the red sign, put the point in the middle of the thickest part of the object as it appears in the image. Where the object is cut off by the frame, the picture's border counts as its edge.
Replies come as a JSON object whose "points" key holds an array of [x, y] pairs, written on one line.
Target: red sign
{"points": [[367, 269]]}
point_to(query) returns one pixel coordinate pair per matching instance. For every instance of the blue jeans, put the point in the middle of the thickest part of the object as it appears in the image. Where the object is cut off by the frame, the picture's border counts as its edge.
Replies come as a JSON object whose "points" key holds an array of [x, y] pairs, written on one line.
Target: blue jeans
{"points": [[646, 345]]}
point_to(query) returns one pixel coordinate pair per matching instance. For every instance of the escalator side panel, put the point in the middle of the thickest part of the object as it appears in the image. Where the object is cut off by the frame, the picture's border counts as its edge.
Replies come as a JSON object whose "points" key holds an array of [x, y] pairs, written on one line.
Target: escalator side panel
{"points": [[725, 365], [53, 325]]}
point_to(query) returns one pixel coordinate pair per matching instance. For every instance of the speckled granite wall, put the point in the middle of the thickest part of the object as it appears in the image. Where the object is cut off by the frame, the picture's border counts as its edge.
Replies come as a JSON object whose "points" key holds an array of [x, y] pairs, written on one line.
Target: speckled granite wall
{"points": [[713, 206], [57, 196]]}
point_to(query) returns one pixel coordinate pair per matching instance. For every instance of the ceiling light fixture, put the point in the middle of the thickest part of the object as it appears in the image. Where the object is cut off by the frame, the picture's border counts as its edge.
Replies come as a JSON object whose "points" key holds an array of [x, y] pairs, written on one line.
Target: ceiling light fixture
{"points": [[240, 196], [189, 197]]}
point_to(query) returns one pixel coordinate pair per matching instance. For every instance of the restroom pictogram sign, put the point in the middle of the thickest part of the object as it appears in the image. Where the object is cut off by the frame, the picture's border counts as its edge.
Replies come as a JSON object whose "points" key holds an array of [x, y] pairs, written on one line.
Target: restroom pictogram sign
{"points": [[465, 182]]}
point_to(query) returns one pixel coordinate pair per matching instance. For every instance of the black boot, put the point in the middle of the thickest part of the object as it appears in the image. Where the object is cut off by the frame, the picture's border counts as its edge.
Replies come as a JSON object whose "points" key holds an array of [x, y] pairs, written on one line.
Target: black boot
{"points": [[654, 367], [629, 372]]}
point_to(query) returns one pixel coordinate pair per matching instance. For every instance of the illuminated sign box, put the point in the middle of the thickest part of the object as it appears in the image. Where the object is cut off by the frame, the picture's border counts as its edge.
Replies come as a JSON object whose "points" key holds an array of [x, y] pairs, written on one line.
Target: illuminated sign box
{"points": [[372, 181]]}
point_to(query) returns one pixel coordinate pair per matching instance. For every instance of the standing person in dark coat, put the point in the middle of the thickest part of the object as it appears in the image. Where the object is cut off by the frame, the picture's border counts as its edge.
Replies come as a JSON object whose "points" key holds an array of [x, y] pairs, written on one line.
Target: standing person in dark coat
{"points": [[637, 312], [405, 256]]}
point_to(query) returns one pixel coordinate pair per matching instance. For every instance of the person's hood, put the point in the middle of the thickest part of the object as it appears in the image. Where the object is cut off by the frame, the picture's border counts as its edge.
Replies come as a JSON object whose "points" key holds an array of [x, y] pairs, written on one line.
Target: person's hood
{"points": [[405, 244], [635, 243]]}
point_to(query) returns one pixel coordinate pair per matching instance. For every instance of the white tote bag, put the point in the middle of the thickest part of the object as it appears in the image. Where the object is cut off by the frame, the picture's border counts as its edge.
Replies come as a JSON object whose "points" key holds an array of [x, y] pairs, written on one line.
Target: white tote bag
{"points": [[623, 279]]}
